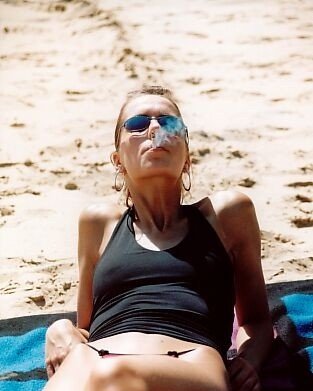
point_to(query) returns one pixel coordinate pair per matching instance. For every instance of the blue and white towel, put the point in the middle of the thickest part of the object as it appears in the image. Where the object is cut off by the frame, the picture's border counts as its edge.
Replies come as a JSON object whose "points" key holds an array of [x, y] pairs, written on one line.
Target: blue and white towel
{"points": [[289, 367], [22, 352]]}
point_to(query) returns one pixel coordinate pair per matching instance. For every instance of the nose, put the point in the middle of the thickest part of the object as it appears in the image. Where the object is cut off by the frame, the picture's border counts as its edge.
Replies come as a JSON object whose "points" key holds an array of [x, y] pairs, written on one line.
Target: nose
{"points": [[153, 127]]}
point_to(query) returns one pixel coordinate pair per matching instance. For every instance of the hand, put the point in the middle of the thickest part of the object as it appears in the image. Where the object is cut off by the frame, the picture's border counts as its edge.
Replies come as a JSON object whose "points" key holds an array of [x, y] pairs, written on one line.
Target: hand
{"points": [[243, 377], [61, 337]]}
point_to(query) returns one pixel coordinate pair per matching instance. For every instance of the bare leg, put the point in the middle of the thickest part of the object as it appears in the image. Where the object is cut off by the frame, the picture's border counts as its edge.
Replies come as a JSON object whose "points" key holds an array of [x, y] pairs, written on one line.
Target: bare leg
{"points": [[83, 370], [115, 375]]}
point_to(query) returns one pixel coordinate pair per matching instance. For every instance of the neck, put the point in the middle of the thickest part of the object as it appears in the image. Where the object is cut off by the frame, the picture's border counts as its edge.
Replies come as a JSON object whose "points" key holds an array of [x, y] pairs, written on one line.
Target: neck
{"points": [[157, 205]]}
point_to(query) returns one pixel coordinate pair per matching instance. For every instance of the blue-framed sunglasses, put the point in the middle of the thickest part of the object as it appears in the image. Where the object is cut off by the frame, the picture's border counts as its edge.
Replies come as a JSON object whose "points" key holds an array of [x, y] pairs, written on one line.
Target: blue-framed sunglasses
{"points": [[172, 124]]}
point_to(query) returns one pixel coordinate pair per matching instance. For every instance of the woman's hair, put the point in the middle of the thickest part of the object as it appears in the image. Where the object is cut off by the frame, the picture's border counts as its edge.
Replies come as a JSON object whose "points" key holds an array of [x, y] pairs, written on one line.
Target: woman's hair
{"points": [[145, 90]]}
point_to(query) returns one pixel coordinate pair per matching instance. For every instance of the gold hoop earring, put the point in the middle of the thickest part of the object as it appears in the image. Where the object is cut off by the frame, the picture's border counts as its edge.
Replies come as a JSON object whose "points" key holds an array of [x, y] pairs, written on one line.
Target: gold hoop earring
{"points": [[119, 186], [187, 186]]}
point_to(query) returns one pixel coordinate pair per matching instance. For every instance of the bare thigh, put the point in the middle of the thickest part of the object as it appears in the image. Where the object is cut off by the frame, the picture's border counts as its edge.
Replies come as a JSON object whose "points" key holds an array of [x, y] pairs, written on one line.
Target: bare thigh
{"points": [[83, 370]]}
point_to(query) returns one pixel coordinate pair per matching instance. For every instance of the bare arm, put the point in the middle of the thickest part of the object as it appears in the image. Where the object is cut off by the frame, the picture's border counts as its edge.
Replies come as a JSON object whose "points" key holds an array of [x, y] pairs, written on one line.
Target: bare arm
{"points": [[96, 224], [255, 328], [90, 234], [237, 221], [95, 227]]}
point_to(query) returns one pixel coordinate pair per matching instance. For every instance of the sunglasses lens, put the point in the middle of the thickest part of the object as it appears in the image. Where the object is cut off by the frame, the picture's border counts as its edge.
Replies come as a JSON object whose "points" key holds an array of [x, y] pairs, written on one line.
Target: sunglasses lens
{"points": [[173, 125], [137, 123]]}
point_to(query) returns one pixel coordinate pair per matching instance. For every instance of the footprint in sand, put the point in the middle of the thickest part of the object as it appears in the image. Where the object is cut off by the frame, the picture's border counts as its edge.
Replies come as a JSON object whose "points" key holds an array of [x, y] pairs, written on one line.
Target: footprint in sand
{"points": [[267, 236], [300, 184], [17, 125], [302, 264], [7, 210], [307, 169], [211, 91], [39, 300], [197, 154], [302, 221], [71, 186], [76, 95], [303, 198], [247, 182], [193, 80], [236, 154]]}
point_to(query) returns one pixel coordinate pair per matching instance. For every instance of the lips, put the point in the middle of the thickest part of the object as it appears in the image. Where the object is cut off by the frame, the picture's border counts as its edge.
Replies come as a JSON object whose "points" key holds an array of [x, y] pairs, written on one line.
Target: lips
{"points": [[154, 149], [158, 149]]}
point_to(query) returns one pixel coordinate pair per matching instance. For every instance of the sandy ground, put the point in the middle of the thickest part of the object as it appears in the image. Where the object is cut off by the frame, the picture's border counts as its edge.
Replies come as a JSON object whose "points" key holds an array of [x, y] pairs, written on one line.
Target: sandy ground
{"points": [[242, 71]]}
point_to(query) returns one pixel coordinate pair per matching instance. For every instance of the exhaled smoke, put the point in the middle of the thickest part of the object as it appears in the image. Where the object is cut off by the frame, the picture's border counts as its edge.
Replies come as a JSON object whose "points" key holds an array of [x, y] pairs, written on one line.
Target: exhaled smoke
{"points": [[167, 135]]}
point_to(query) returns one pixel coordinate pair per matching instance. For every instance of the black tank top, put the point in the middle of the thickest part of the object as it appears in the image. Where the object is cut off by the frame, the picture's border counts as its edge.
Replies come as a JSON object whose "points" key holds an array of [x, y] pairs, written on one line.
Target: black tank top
{"points": [[186, 292]]}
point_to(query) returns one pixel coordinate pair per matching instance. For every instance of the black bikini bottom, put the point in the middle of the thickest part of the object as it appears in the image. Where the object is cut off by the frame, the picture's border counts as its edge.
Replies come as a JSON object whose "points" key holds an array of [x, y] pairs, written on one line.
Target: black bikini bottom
{"points": [[106, 353]]}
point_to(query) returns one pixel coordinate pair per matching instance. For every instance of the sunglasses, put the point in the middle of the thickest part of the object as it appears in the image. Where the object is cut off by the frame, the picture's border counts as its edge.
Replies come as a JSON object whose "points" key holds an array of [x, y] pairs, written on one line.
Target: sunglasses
{"points": [[139, 123]]}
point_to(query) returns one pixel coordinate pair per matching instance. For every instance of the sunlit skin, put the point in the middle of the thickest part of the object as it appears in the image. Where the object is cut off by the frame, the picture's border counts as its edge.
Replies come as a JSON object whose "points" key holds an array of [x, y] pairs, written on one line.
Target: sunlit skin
{"points": [[137, 154], [148, 168]]}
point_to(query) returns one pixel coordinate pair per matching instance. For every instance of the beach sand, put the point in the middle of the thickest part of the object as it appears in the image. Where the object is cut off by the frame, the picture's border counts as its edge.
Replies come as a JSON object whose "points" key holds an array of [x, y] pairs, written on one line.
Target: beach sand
{"points": [[242, 73]]}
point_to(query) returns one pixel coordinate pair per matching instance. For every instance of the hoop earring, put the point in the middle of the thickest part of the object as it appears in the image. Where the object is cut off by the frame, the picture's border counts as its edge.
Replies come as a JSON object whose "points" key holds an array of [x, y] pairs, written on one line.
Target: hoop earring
{"points": [[187, 186], [119, 186]]}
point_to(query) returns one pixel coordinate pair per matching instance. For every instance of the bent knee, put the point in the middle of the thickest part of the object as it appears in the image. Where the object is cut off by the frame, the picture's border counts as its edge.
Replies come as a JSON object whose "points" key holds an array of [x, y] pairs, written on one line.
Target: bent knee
{"points": [[117, 374]]}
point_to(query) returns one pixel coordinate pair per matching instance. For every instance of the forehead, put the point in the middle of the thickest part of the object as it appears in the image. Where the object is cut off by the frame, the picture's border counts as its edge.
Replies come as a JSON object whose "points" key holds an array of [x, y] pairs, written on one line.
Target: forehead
{"points": [[152, 105]]}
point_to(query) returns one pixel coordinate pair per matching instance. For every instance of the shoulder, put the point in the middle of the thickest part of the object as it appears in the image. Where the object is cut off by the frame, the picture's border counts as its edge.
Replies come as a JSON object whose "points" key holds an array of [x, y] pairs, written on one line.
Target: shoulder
{"points": [[231, 202], [232, 212], [225, 204], [96, 224], [100, 214]]}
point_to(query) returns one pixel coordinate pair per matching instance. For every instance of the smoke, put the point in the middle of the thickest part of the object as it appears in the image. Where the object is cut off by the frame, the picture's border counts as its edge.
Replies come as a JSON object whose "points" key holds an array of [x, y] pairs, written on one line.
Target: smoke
{"points": [[168, 134]]}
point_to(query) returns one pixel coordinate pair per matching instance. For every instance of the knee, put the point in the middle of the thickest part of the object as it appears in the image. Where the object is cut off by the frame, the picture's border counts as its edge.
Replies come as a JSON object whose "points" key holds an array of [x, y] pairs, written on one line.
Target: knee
{"points": [[116, 374], [60, 325]]}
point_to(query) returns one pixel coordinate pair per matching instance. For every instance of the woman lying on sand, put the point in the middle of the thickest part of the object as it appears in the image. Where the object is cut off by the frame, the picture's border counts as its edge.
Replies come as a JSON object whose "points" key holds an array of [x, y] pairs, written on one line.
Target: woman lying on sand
{"points": [[159, 281]]}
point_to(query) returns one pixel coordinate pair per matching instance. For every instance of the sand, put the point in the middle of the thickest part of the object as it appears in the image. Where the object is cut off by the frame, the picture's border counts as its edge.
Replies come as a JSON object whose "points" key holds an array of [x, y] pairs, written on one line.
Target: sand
{"points": [[242, 73]]}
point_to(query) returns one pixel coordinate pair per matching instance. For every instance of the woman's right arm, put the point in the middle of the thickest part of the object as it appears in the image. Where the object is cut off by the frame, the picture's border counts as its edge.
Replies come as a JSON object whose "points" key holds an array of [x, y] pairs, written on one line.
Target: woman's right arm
{"points": [[96, 224]]}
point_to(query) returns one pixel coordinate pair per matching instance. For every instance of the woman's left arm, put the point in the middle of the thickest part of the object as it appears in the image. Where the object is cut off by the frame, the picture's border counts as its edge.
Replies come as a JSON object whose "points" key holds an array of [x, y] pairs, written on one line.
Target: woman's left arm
{"points": [[236, 214]]}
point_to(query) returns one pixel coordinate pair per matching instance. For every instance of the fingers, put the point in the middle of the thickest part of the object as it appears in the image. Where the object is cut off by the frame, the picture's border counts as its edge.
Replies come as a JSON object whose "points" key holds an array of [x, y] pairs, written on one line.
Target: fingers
{"points": [[84, 333], [251, 384], [53, 363], [243, 376], [50, 369], [61, 337]]}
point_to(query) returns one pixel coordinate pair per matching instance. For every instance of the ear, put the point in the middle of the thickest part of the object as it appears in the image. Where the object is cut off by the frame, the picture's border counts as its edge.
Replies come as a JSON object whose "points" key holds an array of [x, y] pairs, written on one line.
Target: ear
{"points": [[115, 160]]}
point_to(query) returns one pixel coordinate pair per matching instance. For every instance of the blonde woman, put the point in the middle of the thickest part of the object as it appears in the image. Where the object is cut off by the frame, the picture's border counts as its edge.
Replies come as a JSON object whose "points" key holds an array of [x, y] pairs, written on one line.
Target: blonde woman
{"points": [[159, 281]]}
